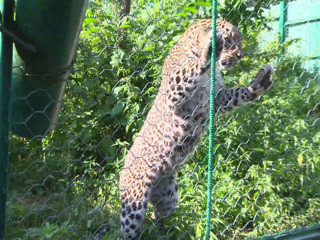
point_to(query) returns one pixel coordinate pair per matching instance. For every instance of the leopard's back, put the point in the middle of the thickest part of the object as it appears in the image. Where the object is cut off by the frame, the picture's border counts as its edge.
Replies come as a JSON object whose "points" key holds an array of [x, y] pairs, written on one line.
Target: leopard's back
{"points": [[172, 127]]}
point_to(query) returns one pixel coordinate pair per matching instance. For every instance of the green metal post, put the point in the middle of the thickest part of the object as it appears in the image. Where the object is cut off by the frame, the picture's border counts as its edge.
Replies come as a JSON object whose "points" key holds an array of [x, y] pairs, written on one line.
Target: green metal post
{"points": [[282, 20], [5, 83], [39, 78]]}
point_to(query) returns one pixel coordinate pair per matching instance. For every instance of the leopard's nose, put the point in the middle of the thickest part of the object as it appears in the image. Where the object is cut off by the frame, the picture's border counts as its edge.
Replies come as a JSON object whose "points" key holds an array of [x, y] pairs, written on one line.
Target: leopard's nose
{"points": [[224, 62]]}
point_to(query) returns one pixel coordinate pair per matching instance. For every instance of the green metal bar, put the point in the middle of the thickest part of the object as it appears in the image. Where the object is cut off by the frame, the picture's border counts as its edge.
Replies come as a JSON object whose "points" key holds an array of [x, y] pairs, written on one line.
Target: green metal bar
{"points": [[282, 21], [302, 21], [310, 233], [313, 58], [14, 38], [5, 83]]}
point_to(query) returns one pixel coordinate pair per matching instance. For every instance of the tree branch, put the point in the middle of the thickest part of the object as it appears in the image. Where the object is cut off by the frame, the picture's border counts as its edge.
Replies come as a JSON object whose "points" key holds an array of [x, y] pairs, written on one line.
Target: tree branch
{"points": [[125, 6]]}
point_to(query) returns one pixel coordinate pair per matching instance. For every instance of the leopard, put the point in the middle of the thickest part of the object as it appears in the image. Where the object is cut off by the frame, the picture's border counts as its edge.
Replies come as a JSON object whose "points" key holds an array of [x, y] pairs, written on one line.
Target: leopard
{"points": [[178, 118]]}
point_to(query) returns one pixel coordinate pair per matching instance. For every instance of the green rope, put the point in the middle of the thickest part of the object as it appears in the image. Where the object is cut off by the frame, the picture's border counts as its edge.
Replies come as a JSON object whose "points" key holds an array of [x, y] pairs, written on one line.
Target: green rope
{"points": [[212, 115]]}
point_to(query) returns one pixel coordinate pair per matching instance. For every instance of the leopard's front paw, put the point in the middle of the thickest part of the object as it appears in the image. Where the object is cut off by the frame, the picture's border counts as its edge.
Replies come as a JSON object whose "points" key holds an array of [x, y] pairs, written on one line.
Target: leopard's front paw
{"points": [[262, 81]]}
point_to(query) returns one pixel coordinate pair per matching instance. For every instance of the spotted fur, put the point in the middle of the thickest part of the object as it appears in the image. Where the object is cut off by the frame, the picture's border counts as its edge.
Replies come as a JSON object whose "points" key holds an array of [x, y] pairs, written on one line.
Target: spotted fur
{"points": [[178, 119]]}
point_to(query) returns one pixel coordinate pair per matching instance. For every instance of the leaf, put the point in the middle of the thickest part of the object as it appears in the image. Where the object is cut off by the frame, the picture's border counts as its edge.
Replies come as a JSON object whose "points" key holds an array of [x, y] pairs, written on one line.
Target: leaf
{"points": [[300, 159], [117, 90], [176, 38], [108, 34], [147, 48], [258, 149], [89, 223], [183, 14], [191, 9], [94, 29], [86, 135], [125, 26], [203, 3], [90, 20], [117, 109], [216, 147], [281, 147], [150, 29]]}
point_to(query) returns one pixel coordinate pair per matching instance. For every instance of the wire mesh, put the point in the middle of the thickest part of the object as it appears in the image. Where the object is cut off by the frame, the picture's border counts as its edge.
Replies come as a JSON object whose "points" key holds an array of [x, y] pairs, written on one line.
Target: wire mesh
{"points": [[266, 177]]}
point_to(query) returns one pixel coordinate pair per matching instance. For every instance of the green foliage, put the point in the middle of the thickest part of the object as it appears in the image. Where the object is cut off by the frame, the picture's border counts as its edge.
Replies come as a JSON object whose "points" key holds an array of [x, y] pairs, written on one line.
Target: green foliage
{"points": [[267, 154]]}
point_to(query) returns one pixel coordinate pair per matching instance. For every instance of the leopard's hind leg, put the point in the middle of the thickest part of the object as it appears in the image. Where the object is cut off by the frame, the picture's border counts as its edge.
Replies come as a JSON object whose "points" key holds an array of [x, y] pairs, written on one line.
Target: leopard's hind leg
{"points": [[164, 197], [134, 198]]}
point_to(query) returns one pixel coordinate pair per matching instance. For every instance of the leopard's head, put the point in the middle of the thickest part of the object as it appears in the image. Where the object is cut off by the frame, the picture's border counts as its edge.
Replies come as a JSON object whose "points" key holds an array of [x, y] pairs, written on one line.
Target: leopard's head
{"points": [[232, 51]]}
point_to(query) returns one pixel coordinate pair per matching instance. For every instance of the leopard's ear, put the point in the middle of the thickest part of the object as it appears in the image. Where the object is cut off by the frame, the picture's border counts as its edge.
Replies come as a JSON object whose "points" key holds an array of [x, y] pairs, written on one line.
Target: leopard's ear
{"points": [[219, 45], [220, 42]]}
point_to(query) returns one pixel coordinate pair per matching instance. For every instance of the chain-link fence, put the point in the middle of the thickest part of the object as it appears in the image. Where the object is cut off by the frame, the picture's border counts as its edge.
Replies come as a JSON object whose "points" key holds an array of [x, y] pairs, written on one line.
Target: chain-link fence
{"points": [[267, 153]]}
